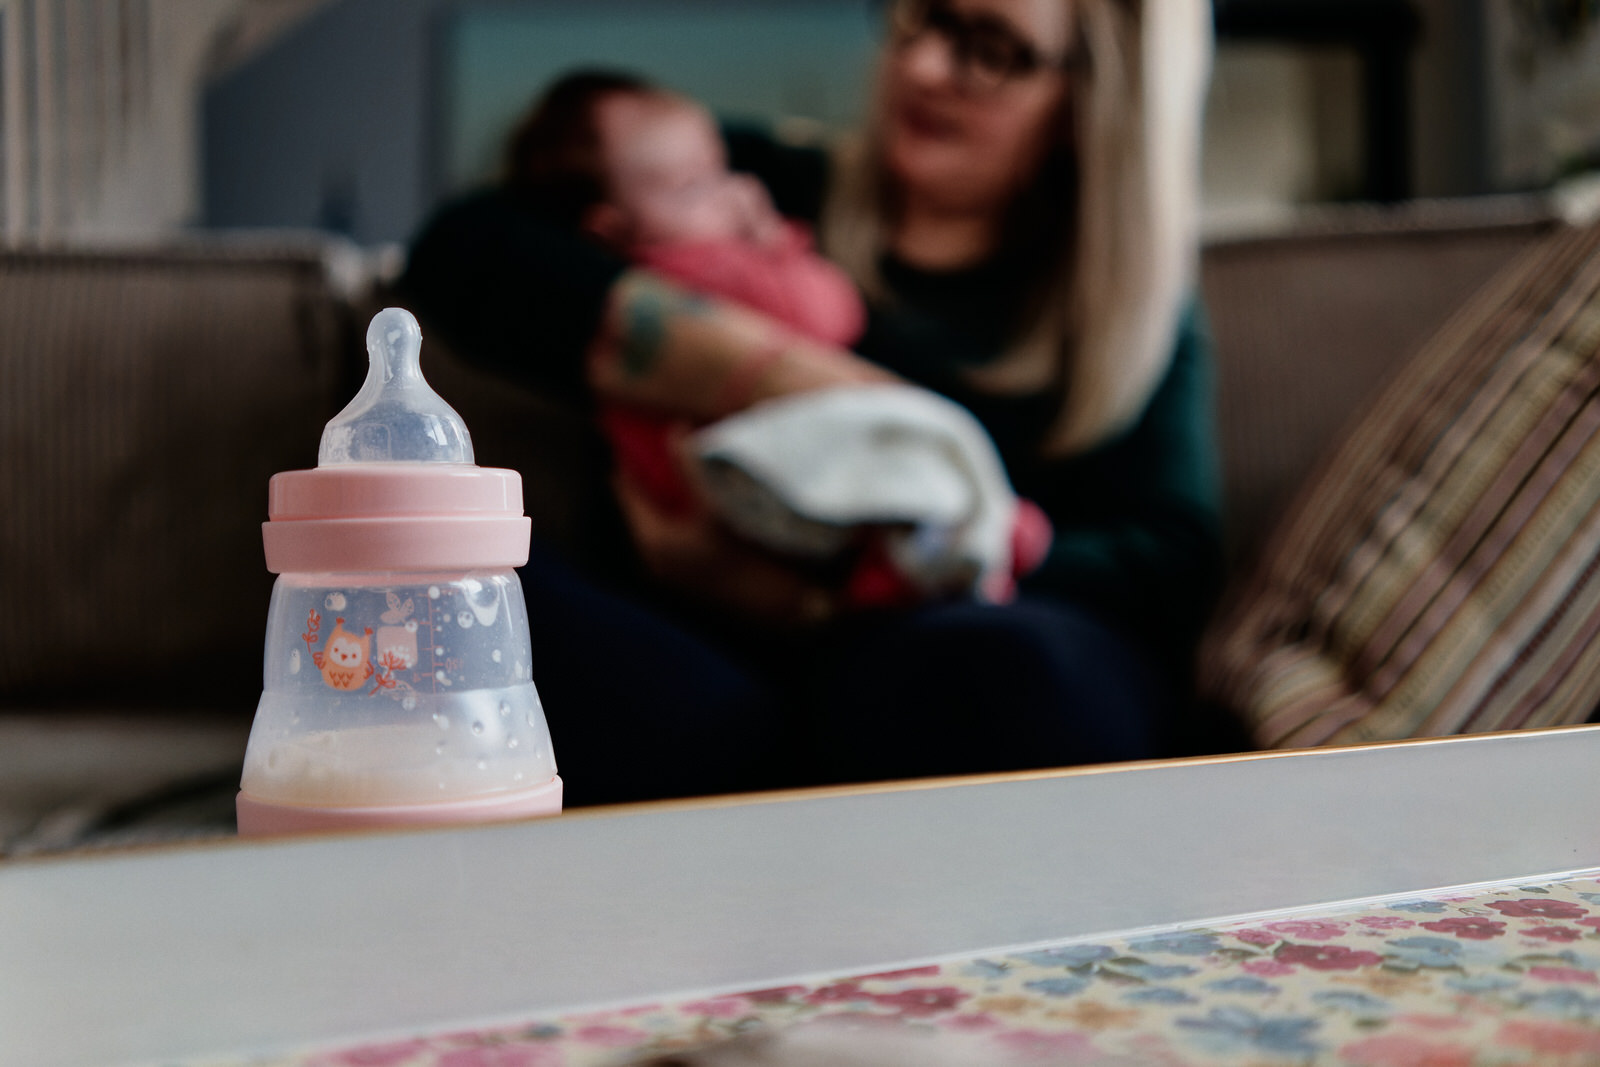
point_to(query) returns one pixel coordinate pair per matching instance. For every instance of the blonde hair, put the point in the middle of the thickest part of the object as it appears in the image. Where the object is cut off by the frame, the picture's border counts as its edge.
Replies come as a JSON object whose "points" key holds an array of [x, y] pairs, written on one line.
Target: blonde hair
{"points": [[1102, 324]]}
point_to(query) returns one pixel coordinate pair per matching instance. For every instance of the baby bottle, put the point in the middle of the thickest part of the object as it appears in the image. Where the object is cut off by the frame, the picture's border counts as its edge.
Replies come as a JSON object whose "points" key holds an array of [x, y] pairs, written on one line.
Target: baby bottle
{"points": [[398, 688]]}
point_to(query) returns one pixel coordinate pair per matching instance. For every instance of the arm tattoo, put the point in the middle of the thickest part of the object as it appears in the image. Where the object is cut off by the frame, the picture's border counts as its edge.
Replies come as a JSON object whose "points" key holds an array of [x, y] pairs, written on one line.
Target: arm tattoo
{"points": [[647, 324]]}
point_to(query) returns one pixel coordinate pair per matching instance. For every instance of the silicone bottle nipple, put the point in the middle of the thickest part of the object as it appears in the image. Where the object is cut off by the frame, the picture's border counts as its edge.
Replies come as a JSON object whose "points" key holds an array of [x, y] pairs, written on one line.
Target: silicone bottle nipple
{"points": [[395, 417]]}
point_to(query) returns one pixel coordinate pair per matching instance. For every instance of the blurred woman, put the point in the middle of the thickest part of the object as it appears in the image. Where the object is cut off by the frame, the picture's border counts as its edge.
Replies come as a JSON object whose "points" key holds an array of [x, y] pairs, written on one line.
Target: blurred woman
{"points": [[1020, 214]]}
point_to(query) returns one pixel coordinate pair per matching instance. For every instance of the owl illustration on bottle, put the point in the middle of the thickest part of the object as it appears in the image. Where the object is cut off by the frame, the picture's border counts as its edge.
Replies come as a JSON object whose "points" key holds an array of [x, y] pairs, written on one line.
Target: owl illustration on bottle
{"points": [[345, 660]]}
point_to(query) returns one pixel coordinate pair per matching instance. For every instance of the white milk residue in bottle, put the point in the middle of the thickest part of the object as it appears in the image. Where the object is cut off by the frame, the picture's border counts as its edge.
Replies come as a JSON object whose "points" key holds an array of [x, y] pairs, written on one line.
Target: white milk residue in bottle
{"points": [[398, 685]]}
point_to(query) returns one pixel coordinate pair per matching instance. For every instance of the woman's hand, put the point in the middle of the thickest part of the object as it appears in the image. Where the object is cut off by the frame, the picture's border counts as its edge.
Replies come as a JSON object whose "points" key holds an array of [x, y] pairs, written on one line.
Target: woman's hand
{"points": [[694, 554]]}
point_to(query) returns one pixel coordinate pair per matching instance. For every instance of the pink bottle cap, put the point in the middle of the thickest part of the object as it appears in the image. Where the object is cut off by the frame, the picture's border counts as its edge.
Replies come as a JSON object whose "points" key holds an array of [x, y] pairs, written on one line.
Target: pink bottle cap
{"points": [[395, 487]]}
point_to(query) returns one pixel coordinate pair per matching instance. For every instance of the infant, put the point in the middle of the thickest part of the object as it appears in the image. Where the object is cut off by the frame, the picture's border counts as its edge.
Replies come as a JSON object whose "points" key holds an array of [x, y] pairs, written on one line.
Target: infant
{"points": [[645, 172], [672, 204], [659, 191]]}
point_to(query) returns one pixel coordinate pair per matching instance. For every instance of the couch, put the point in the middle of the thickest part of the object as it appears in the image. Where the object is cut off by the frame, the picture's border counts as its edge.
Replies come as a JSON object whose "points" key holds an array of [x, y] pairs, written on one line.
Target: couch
{"points": [[147, 395]]}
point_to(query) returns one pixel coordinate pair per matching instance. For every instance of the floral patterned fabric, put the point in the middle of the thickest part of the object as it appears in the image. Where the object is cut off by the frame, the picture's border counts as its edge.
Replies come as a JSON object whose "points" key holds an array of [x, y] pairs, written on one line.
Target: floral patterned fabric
{"points": [[1509, 975]]}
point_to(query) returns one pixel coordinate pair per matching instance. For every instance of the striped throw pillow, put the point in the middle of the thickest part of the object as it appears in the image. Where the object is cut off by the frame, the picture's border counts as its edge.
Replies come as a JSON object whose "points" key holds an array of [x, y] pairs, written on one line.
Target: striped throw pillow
{"points": [[1440, 571]]}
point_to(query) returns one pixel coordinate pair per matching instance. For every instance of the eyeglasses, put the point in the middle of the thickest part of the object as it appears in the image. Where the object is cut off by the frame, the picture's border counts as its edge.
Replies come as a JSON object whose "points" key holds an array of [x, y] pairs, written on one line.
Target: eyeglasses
{"points": [[986, 50]]}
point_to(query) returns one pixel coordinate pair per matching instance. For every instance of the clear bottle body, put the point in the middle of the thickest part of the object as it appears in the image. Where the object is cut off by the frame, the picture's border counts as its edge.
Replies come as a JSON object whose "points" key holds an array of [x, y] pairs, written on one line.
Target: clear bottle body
{"points": [[396, 689]]}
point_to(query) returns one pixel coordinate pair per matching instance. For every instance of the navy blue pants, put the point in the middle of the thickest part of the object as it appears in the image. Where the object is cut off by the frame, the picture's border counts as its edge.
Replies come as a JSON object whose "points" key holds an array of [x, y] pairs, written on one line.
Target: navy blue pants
{"points": [[644, 705]]}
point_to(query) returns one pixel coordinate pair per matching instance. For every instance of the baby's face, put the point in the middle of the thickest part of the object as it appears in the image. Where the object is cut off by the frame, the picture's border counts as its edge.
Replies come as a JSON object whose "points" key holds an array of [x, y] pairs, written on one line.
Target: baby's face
{"points": [[669, 176]]}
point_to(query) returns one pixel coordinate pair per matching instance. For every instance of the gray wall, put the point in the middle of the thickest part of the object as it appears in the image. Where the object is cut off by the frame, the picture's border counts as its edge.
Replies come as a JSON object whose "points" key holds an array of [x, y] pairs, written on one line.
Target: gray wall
{"points": [[772, 61], [358, 119], [328, 127], [362, 116]]}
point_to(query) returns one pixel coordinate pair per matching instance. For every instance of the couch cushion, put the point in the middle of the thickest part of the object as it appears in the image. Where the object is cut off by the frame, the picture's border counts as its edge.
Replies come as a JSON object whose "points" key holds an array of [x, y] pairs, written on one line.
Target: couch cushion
{"points": [[1309, 324], [1440, 573], [145, 399]]}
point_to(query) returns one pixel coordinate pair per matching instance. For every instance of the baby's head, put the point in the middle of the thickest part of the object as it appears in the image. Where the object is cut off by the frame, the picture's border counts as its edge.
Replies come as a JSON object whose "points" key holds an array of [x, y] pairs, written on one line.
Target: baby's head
{"points": [[635, 165]]}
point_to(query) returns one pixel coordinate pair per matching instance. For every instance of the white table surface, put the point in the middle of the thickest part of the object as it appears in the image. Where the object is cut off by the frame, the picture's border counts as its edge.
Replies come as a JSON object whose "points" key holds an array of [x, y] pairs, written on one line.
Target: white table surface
{"points": [[146, 957]]}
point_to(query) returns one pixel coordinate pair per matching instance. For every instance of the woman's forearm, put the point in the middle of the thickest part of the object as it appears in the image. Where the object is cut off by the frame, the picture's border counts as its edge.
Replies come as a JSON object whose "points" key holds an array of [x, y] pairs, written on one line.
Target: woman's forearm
{"points": [[664, 347]]}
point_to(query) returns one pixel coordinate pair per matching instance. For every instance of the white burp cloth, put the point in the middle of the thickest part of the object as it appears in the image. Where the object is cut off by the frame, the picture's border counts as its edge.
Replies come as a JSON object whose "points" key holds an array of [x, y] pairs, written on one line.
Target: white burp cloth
{"points": [[799, 474]]}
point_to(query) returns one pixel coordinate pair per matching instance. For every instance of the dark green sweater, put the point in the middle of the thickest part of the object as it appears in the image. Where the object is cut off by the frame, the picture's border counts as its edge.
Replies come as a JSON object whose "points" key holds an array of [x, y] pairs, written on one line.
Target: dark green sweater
{"points": [[1137, 519]]}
